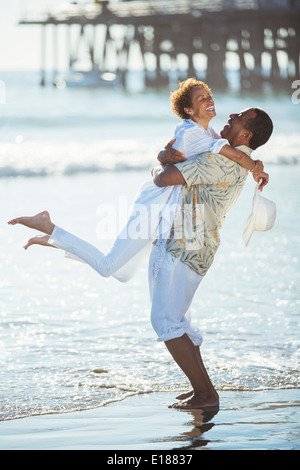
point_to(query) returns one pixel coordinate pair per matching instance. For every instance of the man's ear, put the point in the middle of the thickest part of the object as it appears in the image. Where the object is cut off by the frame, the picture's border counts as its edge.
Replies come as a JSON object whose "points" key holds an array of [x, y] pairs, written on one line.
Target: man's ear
{"points": [[245, 136], [248, 134]]}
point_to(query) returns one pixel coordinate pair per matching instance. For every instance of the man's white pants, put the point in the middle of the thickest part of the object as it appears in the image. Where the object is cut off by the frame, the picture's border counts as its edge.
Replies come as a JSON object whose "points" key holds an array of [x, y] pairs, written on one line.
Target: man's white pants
{"points": [[171, 295]]}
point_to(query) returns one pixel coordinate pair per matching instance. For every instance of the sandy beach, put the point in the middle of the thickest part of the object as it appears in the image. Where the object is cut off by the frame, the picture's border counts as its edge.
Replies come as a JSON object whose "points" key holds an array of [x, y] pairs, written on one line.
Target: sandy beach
{"points": [[80, 364], [266, 420]]}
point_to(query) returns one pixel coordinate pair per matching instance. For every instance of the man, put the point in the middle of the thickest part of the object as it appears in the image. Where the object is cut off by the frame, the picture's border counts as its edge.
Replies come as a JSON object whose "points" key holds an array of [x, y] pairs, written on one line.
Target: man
{"points": [[215, 182]]}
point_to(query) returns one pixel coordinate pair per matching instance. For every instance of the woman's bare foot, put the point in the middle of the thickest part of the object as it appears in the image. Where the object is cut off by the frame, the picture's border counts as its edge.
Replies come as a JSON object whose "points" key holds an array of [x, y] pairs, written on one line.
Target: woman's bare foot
{"points": [[39, 240], [39, 222]]}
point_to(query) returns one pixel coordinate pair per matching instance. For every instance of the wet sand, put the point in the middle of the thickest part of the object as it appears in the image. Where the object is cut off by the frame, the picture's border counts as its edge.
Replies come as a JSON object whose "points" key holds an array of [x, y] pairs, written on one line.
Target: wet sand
{"points": [[264, 420]]}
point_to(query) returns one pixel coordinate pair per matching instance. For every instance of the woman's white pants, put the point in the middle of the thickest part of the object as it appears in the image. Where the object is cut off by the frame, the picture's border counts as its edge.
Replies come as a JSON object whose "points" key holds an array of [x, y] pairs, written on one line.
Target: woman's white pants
{"points": [[121, 262], [153, 210]]}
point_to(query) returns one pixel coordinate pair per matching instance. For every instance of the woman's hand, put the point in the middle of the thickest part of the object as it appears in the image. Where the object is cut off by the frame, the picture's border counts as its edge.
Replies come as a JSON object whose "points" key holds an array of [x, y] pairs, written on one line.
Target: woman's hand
{"points": [[259, 167]]}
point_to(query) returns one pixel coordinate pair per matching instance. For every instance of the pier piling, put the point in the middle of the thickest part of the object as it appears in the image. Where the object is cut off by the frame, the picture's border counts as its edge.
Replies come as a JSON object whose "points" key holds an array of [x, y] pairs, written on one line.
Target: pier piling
{"points": [[256, 32]]}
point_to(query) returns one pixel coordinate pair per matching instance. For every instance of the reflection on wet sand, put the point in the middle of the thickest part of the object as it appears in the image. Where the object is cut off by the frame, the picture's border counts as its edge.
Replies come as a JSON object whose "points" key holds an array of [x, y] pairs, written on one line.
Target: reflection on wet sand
{"points": [[199, 425]]}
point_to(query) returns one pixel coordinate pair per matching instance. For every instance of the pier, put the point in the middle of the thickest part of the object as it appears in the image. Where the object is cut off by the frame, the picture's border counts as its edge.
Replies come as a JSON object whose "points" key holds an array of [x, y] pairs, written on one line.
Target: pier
{"points": [[177, 39]]}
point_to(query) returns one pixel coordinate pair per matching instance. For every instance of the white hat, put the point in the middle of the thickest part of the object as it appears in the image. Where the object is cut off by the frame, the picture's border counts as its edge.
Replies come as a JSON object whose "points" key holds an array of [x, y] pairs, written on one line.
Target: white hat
{"points": [[262, 217]]}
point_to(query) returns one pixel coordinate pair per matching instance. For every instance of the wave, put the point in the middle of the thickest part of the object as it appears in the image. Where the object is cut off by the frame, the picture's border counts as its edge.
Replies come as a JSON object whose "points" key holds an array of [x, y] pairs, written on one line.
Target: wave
{"points": [[31, 159], [44, 159], [69, 170]]}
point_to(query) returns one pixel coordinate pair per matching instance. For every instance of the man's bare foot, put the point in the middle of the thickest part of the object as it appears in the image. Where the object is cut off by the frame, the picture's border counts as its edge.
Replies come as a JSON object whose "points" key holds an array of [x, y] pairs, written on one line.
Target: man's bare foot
{"points": [[196, 401], [39, 222], [39, 240], [184, 396]]}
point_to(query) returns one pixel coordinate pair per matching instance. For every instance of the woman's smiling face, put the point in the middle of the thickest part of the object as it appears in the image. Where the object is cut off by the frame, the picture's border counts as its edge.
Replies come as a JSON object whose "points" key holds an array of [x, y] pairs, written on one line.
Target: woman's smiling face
{"points": [[202, 108]]}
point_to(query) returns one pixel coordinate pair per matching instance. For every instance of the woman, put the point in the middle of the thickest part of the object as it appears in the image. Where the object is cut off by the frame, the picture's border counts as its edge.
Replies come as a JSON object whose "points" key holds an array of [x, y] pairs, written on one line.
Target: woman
{"points": [[192, 102]]}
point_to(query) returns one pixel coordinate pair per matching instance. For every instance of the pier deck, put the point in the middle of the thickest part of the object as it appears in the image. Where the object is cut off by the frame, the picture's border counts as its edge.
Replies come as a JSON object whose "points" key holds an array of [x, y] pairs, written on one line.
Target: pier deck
{"points": [[166, 32]]}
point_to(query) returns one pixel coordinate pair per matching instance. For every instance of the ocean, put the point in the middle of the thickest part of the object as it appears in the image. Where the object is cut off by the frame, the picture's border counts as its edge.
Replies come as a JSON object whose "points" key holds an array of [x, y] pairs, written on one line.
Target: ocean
{"points": [[70, 340]]}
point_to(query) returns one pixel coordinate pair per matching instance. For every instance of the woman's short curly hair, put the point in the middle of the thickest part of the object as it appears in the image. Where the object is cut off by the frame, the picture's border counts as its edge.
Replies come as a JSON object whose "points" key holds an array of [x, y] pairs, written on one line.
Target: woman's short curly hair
{"points": [[181, 98]]}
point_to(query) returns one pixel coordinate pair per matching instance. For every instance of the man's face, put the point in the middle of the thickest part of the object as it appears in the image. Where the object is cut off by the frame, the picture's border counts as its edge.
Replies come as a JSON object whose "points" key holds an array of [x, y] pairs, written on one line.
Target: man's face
{"points": [[235, 129]]}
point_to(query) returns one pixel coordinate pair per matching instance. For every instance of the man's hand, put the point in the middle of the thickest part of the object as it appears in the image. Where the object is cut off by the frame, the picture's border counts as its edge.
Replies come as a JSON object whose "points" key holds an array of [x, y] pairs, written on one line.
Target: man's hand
{"points": [[168, 175], [170, 155], [263, 177], [259, 174]]}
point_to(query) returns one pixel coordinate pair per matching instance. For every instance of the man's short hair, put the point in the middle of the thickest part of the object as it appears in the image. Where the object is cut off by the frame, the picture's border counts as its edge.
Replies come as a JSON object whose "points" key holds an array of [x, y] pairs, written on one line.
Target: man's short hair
{"points": [[261, 127]]}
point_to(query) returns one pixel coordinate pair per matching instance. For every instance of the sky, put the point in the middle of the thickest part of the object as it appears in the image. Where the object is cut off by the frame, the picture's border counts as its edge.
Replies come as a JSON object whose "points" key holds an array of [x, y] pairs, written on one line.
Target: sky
{"points": [[20, 45]]}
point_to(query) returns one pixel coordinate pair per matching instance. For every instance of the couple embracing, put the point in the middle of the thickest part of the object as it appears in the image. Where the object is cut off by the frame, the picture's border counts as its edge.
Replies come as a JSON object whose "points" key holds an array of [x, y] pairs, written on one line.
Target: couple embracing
{"points": [[198, 169]]}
